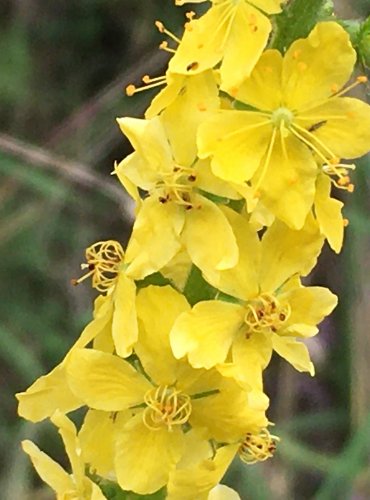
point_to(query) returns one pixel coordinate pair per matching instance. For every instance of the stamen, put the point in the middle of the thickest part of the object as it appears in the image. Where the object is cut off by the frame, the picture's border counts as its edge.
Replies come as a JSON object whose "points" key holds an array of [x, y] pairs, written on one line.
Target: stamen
{"points": [[166, 406], [339, 170], [103, 263], [266, 314], [257, 447], [359, 80], [162, 29], [150, 83], [266, 163], [164, 46], [244, 129]]}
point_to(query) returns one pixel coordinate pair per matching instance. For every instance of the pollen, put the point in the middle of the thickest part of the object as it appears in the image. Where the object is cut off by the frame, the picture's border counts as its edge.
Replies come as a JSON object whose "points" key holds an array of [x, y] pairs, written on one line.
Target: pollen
{"points": [[166, 407], [257, 447]]}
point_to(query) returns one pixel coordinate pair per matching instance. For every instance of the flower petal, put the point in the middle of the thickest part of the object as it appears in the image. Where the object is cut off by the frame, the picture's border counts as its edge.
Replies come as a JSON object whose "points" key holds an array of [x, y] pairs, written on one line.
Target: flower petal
{"points": [[157, 309], [296, 353], [262, 89], [206, 333], [288, 187], [247, 38], [207, 181], [286, 252], [237, 141], [197, 480], [101, 426], [124, 324], [222, 492], [216, 248], [309, 305], [345, 129], [155, 237], [105, 382], [145, 458], [242, 280], [316, 66], [268, 6], [49, 471], [149, 139]]}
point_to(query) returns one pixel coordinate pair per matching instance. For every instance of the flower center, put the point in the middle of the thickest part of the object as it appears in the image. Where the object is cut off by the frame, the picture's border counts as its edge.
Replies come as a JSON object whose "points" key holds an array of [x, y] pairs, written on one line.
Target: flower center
{"points": [[103, 261], [257, 447], [166, 406], [265, 314], [176, 186], [282, 116]]}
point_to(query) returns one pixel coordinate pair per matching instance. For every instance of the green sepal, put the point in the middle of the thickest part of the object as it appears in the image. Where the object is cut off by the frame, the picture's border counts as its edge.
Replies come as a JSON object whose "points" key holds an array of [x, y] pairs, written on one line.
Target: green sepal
{"points": [[197, 288], [113, 492], [156, 279], [297, 20]]}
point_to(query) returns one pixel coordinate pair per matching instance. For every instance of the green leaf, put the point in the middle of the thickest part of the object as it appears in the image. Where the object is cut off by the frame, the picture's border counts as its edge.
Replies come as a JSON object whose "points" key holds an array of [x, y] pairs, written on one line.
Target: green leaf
{"points": [[113, 492], [197, 289], [298, 19]]}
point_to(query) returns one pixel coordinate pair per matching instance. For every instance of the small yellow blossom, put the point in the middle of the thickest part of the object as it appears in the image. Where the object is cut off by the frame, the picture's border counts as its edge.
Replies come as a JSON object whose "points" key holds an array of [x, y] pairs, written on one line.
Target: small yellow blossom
{"points": [[176, 213], [296, 126], [159, 405], [234, 32], [272, 307], [67, 486]]}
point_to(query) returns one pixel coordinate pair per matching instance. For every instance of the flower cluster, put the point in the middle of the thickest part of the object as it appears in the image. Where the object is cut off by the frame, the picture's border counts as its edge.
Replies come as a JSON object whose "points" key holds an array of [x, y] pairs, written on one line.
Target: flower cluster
{"points": [[231, 171]]}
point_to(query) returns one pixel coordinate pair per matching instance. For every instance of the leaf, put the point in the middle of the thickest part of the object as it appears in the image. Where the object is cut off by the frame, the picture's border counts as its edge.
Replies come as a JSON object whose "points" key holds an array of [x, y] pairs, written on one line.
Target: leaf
{"points": [[197, 289]]}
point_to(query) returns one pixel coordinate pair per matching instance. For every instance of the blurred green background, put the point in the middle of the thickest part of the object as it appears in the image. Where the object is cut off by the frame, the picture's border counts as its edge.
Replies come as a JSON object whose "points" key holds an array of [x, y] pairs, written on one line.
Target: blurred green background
{"points": [[63, 67]]}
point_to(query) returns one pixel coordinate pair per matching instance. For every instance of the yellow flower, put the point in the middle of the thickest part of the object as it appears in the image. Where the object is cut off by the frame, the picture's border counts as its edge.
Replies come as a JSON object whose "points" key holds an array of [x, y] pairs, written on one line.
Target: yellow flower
{"points": [[198, 473], [114, 327], [272, 307], [297, 125], [176, 213], [161, 402], [234, 32], [74, 486]]}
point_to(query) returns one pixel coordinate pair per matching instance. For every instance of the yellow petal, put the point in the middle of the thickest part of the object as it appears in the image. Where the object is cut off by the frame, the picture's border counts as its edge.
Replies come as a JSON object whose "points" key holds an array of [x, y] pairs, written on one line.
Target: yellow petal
{"points": [[203, 42], [101, 427], [222, 492], [174, 85], [207, 181], [345, 128], [296, 353], [288, 187], [227, 415], [145, 458], [262, 89], [314, 67], [155, 237], [149, 140], [197, 98], [329, 214], [242, 280], [46, 394], [124, 324], [157, 309], [134, 171], [178, 269], [68, 432], [269, 6], [49, 471], [206, 333], [286, 252], [237, 141], [196, 481], [216, 248], [105, 382], [247, 38], [309, 306]]}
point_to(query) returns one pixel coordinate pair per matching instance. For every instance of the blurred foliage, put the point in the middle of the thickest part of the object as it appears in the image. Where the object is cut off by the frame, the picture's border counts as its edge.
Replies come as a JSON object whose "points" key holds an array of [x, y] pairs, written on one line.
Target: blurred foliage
{"points": [[63, 67]]}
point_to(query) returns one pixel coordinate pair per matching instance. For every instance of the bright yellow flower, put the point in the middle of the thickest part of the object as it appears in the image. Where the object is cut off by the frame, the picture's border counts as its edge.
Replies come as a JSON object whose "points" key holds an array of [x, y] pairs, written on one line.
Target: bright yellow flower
{"points": [[272, 307], [297, 125], [176, 213], [169, 398], [74, 486], [234, 32], [200, 470], [114, 327]]}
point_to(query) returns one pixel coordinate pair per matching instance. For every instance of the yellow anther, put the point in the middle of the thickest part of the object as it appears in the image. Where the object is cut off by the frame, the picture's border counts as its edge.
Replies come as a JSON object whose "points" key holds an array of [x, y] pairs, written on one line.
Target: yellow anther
{"points": [[159, 26], [296, 54], [166, 406], [130, 90], [345, 222], [334, 88], [103, 261], [343, 181], [257, 447], [201, 106], [362, 79], [350, 188], [190, 15], [302, 66]]}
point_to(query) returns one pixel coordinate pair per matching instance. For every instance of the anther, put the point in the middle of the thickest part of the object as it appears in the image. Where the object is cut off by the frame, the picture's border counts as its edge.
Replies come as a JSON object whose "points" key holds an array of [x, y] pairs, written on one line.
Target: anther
{"points": [[362, 79], [345, 222], [190, 15], [192, 66], [257, 447], [130, 90]]}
